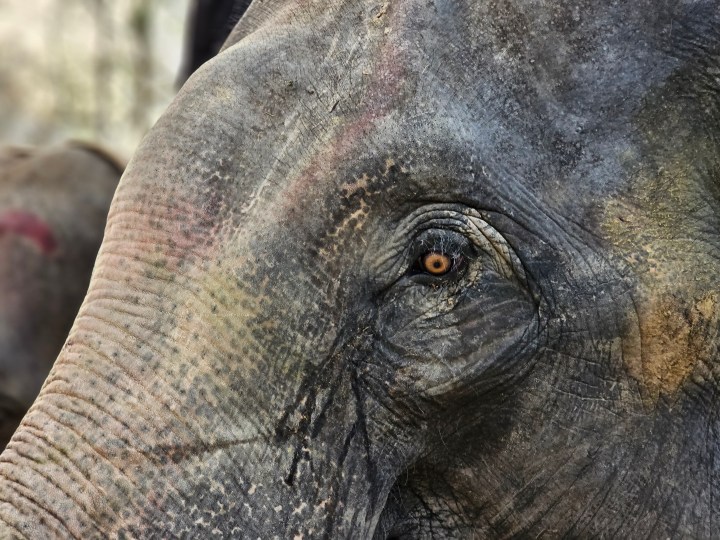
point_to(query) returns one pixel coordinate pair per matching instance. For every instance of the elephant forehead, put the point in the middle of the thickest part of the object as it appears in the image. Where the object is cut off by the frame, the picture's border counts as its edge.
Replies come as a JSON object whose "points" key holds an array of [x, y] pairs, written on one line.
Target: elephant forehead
{"points": [[473, 50], [272, 127], [494, 79]]}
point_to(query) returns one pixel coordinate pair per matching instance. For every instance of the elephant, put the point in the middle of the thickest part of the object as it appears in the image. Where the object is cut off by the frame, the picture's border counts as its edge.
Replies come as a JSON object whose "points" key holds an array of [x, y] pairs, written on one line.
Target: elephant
{"points": [[208, 25], [408, 269], [53, 205]]}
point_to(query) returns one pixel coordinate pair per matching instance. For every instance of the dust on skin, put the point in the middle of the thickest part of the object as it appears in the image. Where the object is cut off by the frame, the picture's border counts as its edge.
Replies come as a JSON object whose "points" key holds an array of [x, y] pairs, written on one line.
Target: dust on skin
{"points": [[355, 198], [671, 335]]}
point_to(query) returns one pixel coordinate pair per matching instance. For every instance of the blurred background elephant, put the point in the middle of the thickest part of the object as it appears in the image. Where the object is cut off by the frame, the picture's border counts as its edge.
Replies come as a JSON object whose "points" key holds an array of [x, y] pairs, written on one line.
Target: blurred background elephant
{"points": [[53, 206]]}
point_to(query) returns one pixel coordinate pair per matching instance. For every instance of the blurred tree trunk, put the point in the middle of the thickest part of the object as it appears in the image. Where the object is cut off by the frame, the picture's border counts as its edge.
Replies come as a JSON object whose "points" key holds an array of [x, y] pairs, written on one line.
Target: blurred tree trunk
{"points": [[142, 63], [62, 107], [102, 15]]}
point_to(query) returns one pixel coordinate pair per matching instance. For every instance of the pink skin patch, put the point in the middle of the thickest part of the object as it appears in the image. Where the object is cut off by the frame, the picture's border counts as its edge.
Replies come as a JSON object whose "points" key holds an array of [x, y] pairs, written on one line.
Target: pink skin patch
{"points": [[28, 225]]}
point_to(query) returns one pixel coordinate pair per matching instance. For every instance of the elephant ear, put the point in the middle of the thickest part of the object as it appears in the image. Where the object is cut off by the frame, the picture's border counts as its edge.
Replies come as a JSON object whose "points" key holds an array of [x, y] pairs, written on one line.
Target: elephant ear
{"points": [[209, 24], [117, 163], [259, 12]]}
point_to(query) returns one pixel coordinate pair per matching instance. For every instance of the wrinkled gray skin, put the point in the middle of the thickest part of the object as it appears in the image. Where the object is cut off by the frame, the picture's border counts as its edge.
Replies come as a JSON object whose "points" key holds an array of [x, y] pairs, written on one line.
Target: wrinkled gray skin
{"points": [[53, 206], [260, 354]]}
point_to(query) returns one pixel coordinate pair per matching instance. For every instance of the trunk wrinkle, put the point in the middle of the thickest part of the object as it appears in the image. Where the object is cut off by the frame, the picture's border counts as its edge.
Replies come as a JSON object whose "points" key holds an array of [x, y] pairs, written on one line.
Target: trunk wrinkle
{"points": [[181, 420], [124, 331], [95, 450], [13, 527], [176, 454], [104, 378], [181, 452], [60, 463], [93, 404], [14, 486]]}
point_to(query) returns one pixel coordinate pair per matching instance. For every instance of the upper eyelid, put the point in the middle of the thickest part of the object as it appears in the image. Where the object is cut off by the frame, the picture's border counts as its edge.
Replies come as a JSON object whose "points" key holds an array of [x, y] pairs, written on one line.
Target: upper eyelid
{"points": [[441, 241], [472, 223], [489, 239]]}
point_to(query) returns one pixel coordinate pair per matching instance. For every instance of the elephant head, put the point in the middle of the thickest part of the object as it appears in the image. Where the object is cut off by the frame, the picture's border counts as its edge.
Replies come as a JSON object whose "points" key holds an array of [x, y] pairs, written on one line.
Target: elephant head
{"points": [[404, 269], [53, 205]]}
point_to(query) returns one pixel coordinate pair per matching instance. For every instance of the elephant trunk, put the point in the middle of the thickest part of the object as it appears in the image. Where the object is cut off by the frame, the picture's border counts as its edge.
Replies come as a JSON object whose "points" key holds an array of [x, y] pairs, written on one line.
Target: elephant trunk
{"points": [[198, 421]]}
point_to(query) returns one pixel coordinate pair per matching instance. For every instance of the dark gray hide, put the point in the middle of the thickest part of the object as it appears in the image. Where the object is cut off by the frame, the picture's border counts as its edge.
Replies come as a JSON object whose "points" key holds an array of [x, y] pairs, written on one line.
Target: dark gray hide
{"points": [[208, 25]]}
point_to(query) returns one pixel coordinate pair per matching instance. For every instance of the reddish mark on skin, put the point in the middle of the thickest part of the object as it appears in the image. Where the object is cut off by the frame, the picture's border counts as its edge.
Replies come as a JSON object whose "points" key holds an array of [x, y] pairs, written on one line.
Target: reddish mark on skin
{"points": [[383, 94], [28, 225]]}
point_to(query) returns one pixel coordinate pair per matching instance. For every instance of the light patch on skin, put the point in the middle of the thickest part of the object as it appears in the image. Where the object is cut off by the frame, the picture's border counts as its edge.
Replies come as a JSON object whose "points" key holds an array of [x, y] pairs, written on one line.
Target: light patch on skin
{"points": [[224, 94], [355, 221], [672, 333], [299, 509]]}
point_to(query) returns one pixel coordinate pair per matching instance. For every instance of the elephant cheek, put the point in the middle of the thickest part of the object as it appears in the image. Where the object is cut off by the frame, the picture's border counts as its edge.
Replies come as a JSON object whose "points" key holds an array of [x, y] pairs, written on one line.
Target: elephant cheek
{"points": [[472, 346], [307, 469]]}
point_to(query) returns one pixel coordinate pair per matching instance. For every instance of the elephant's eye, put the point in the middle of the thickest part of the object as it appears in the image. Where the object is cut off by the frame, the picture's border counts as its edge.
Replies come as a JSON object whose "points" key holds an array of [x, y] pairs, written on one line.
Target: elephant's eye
{"points": [[436, 263], [439, 255]]}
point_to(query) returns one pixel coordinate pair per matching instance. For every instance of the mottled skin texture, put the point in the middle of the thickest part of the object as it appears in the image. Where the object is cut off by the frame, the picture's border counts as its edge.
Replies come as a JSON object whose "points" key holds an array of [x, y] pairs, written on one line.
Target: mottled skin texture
{"points": [[258, 356], [53, 206]]}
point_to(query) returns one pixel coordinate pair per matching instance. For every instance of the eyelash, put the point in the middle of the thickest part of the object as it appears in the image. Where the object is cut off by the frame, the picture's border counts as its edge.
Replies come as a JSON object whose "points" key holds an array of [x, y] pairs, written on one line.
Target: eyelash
{"points": [[440, 259]]}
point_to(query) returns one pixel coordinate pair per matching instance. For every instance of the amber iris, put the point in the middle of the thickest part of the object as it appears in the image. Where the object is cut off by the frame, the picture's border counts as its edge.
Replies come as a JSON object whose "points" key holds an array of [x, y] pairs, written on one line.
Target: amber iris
{"points": [[436, 263]]}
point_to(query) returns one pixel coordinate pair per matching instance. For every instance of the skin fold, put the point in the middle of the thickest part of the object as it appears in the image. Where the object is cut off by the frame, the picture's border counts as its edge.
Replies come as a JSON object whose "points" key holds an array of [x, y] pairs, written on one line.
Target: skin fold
{"points": [[262, 353], [53, 206]]}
